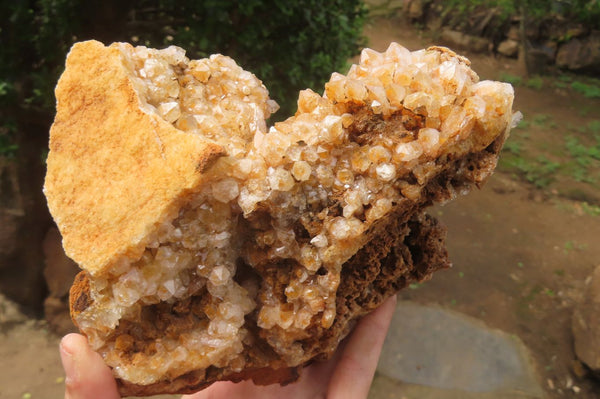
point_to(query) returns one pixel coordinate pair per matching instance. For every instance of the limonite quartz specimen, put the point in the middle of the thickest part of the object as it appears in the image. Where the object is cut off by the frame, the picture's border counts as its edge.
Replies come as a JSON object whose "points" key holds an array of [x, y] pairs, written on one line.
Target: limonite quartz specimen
{"points": [[277, 238]]}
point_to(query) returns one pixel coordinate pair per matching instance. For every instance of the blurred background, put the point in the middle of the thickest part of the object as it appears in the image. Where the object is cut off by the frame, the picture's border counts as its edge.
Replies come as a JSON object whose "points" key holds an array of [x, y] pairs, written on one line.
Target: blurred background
{"points": [[525, 248]]}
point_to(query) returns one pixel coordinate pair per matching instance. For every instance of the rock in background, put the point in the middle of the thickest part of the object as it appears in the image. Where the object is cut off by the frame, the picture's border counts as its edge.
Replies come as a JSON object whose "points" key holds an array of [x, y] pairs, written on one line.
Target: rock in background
{"points": [[580, 54], [59, 273], [586, 324], [10, 314], [23, 222], [552, 41]]}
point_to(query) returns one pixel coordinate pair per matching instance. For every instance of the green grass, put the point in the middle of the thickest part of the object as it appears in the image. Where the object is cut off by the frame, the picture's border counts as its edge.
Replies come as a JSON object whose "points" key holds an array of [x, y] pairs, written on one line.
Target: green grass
{"points": [[513, 146], [577, 158], [571, 245], [578, 207], [565, 78], [588, 87], [594, 127], [583, 160], [590, 209], [539, 171], [579, 151], [591, 90], [560, 85], [535, 82], [512, 79], [523, 125], [543, 121]]}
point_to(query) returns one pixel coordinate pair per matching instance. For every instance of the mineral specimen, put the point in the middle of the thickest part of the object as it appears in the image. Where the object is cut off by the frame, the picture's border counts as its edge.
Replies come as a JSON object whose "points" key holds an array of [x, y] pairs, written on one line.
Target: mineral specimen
{"points": [[214, 244]]}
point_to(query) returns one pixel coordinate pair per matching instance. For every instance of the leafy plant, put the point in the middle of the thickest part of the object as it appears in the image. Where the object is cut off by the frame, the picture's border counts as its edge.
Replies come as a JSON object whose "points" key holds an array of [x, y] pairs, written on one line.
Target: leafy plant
{"points": [[588, 90], [563, 77], [594, 126], [524, 124], [512, 79], [288, 45], [590, 209], [540, 171], [513, 146], [583, 158], [543, 121], [535, 82], [577, 150], [8, 148]]}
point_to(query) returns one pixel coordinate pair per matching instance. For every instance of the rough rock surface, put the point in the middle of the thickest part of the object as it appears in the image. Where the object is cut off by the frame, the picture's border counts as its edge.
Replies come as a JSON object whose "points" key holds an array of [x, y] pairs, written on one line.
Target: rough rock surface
{"points": [[462, 40], [586, 324], [509, 48], [10, 313], [581, 54], [265, 257]]}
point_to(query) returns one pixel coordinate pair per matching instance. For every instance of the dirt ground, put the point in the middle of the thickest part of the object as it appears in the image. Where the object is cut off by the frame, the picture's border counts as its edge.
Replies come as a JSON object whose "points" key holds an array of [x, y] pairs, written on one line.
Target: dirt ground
{"points": [[521, 255]]}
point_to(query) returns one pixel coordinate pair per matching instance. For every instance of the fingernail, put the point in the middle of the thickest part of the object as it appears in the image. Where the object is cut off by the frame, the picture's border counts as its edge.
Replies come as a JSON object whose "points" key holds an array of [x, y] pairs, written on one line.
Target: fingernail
{"points": [[67, 355]]}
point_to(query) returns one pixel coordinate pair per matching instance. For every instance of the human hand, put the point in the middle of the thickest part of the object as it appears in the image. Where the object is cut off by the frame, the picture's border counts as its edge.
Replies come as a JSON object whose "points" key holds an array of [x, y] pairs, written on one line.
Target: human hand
{"points": [[348, 374]]}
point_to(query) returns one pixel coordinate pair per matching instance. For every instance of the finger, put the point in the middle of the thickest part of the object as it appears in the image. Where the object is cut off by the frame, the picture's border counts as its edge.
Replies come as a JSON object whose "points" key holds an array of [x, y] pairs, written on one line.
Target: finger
{"points": [[87, 377], [217, 390], [353, 376], [247, 390]]}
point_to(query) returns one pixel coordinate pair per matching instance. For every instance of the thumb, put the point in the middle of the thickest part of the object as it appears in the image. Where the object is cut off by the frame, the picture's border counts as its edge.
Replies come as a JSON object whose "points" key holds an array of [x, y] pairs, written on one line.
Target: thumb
{"points": [[87, 377]]}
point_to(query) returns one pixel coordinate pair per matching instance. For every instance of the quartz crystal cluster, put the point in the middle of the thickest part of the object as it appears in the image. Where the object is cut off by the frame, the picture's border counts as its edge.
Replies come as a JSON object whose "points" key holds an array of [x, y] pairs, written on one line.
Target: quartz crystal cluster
{"points": [[300, 195]]}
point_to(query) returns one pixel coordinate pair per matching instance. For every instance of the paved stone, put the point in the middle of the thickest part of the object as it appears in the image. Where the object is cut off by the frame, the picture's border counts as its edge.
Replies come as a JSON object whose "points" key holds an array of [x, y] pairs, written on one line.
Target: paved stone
{"points": [[432, 352]]}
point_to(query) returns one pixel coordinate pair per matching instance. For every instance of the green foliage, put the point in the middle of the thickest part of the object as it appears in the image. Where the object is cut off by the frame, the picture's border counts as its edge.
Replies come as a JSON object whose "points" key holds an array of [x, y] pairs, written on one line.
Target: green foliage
{"points": [[512, 79], [8, 148], [586, 12], [543, 121], [560, 85], [580, 152], [460, 10], [540, 171], [594, 126], [288, 45], [524, 124], [578, 158], [584, 159], [513, 146], [535, 82], [590, 209], [588, 90]]}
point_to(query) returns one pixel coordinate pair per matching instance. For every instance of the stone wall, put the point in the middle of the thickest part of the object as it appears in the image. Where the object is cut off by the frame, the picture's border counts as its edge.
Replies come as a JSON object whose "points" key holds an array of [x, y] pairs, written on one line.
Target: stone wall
{"points": [[24, 217], [551, 42]]}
